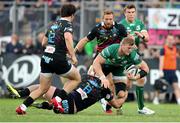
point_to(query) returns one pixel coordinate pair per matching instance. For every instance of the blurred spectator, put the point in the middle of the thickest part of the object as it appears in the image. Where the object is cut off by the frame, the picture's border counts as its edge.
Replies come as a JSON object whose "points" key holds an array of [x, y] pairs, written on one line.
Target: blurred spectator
{"points": [[39, 3], [39, 48], [14, 46], [20, 13], [154, 53], [168, 66], [28, 47], [143, 50]]}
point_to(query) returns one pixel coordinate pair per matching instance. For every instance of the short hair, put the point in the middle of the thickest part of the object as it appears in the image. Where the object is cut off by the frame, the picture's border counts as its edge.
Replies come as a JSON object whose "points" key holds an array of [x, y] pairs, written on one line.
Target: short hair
{"points": [[128, 40], [108, 12], [68, 10], [129, 6], [169, 34]]}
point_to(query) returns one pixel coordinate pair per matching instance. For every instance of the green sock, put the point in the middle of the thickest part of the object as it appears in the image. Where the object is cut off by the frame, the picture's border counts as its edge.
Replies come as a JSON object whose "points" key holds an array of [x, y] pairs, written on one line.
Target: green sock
{"points": [[140, 96]]}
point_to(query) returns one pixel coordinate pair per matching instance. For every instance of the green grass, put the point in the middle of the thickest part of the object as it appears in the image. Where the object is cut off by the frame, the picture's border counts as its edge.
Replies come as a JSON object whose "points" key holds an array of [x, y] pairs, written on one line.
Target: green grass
{"points": [[164, 113]]}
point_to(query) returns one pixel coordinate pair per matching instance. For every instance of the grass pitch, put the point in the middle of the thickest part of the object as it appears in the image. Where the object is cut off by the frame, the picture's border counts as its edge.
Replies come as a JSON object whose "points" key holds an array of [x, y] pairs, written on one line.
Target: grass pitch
{"points": [[164, 113]]}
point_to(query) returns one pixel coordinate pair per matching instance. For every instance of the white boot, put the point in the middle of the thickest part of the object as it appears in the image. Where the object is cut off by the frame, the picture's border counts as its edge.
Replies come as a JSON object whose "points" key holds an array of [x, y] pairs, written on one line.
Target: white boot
{"points": [[156, 101]]}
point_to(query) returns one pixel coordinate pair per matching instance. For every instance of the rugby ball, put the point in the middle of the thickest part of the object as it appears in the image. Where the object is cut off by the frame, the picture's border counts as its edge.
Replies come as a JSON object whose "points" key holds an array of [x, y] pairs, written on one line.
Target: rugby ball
{"points": [[133, 69]]}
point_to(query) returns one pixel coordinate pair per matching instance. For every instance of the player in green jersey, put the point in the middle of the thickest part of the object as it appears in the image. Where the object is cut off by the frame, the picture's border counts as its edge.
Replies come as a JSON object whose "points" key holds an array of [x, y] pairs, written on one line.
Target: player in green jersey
{"points": [[133, 25], [136, 28], [115, 59]]}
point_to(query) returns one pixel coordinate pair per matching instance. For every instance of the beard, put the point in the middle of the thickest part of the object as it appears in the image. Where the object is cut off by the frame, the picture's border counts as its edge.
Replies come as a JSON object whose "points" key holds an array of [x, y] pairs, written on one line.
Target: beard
{"points": [[108, 26]]}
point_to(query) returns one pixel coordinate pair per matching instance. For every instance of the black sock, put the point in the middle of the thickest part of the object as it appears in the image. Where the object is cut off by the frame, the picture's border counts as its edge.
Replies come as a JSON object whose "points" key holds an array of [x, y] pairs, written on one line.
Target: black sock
{"points": [[28, 101], [24, 93]]}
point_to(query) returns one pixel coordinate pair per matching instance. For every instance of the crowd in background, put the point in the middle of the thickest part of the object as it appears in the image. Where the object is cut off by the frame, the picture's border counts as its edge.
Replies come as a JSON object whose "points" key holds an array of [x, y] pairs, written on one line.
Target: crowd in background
{"points": [[26, 45]]}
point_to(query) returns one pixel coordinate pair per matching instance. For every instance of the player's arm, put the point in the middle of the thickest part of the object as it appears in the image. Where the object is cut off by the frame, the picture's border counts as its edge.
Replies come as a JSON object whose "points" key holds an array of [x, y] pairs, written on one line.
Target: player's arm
{"points": [[144, 70], [83, 41], [142, 65], [117, 103], [99, 60], [69, 44], [44, 41], [143, 34], [81, 44]]}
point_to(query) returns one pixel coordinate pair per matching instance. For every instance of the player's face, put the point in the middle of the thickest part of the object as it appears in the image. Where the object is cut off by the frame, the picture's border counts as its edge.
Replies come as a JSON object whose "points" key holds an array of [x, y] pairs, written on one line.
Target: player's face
{"points": [[170, 40], [108, 20], [130, 14], [127, 48]]}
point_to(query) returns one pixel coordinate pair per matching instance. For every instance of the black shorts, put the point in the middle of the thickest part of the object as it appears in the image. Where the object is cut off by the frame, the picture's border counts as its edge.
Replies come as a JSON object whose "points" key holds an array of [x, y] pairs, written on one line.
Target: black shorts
{"points": [[108, 69], [170, 76], [54, 64], [120, 87]]}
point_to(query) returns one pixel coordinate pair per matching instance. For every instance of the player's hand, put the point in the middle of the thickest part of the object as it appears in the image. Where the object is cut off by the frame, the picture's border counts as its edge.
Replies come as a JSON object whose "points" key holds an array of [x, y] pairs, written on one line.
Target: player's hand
{"points": [[105, 82], [132, 77], [138, 34]]}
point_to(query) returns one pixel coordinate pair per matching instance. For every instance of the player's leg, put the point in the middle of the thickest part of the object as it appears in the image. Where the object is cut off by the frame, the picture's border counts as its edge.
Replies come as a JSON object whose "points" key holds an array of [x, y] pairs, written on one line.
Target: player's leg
{"points": [[45, 83], [140, 98], [74, 78], [121, 90], [156, 97], [47, 96], [23, 92]]}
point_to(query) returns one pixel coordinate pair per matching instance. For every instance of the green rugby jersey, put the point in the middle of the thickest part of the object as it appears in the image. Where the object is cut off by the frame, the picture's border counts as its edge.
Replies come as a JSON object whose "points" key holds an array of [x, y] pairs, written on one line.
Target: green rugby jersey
{"points": [[137, 25], [112, 57]]}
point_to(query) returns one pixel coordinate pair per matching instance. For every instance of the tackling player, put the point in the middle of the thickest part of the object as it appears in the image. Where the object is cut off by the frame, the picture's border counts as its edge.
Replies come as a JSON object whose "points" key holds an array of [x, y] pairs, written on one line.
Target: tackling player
{"points": [[86, 94]]}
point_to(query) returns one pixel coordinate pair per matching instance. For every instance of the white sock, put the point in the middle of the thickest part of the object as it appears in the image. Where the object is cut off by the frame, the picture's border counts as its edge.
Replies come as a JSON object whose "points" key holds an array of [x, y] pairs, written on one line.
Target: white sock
{"points": [[23, 107], [178, 101], [156, 98]]}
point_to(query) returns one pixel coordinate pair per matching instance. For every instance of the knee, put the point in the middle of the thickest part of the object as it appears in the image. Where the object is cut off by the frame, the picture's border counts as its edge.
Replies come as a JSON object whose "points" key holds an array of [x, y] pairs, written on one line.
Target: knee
{"points": [[121, 94], [141, 82]]}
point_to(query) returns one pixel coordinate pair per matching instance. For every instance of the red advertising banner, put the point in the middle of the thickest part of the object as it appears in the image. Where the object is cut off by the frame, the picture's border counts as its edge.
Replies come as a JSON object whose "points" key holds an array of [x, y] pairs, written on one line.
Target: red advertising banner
{"points": [[157, 36]]}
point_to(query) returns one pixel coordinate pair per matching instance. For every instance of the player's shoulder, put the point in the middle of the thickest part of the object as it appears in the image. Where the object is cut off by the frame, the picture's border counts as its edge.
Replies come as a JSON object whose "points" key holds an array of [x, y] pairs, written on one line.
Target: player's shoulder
{"points": [[113, 47], [63, 22], [116, 45], [119, 25], [98, 25], [138, 20], [134, 54]]}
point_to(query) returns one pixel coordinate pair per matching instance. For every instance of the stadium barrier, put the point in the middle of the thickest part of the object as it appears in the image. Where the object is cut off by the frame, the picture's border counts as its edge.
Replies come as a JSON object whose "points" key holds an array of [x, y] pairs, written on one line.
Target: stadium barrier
{"points": [[23, 70]]}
